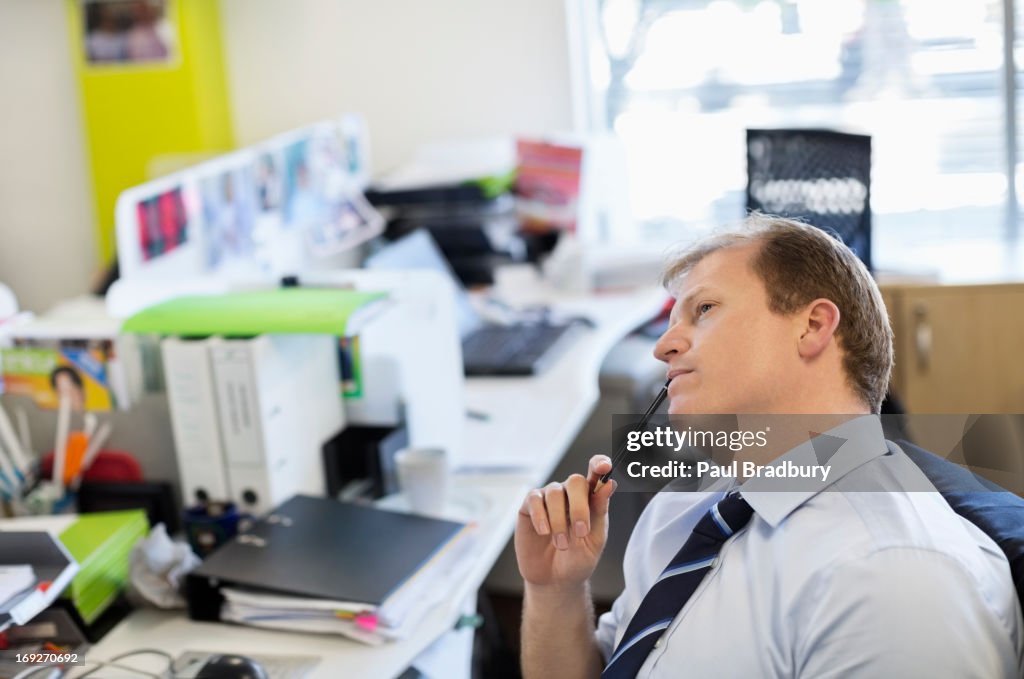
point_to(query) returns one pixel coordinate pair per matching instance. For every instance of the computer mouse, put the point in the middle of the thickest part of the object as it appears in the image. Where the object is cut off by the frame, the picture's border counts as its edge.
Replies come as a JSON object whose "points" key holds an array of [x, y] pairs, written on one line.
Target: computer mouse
{"points": [[231, 667]]}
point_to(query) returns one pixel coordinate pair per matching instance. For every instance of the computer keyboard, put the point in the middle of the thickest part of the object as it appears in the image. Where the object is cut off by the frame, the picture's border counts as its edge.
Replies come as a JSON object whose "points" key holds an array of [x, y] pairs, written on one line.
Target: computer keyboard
{"points": [[510, 349]]}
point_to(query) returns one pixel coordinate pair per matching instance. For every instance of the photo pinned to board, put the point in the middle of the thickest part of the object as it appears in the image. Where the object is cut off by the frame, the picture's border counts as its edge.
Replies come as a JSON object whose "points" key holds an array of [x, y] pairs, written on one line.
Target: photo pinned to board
{"points": [[128, 32], [355, 141], [322, 196], [229, 216], [163, 224], [270, 243], [304, 203], [351, 220], [40, 369]]}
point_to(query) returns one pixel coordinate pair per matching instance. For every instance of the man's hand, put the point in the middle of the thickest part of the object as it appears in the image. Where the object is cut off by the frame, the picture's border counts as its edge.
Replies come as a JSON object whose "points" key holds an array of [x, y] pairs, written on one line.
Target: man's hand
{"points": [[562, 528]]}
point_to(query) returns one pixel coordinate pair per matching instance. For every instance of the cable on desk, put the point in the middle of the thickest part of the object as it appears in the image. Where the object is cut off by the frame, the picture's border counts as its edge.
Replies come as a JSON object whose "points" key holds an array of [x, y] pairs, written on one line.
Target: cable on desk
{"points": [[151, 651], [142, 651], [103, 665], [29, 671]]}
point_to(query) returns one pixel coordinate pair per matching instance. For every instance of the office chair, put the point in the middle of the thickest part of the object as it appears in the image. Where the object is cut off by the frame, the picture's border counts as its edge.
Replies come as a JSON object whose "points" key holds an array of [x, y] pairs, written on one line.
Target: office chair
{"points": [[996, 511], [820, 176]]}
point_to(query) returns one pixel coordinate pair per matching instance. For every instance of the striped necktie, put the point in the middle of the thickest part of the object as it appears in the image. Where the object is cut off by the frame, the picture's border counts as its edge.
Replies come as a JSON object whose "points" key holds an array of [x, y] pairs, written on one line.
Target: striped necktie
{"points": [[676, 584]]}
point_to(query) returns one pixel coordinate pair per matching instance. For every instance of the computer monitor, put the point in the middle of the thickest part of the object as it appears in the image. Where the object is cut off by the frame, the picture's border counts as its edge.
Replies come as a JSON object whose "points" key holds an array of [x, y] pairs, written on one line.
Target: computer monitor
{"points": [[418, 250]]}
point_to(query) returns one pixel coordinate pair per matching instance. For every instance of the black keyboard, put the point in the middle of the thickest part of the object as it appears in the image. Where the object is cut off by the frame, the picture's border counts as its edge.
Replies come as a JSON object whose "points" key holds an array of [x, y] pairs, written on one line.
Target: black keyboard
{"points": [[510, 349]]}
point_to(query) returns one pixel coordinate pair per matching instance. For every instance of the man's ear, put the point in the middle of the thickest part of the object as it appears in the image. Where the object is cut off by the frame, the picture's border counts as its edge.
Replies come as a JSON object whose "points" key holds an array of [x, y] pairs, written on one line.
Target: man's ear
{"points": [[821, 318]]}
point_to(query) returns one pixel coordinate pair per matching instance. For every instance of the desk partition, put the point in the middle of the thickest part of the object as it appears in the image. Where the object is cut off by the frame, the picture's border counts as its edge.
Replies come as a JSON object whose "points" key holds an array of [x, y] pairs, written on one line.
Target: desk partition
{"points": [[279, 207]]}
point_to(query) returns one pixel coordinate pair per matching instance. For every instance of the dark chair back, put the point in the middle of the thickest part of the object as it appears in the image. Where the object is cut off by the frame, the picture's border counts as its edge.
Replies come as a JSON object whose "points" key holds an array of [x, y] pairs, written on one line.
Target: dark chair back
{"points": [[995, 510], [820, 176]]}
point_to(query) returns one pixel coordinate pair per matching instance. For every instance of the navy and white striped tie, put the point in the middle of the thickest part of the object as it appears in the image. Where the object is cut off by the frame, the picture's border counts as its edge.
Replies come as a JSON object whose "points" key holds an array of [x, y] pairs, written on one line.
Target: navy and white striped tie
{"points": [[676, 584]]}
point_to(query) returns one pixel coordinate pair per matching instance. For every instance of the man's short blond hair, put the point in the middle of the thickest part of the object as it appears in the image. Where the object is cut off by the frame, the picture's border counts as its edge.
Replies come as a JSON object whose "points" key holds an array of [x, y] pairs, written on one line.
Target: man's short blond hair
{"points": [[799, 263]]}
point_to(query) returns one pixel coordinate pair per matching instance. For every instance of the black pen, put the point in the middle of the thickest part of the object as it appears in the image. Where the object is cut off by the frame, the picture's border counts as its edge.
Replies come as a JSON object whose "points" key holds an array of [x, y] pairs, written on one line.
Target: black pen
{"points": [[621, 452]]}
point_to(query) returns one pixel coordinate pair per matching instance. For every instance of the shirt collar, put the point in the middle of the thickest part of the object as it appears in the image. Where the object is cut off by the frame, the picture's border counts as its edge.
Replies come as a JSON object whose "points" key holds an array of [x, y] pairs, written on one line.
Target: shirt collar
{"points": [[860, 440]]}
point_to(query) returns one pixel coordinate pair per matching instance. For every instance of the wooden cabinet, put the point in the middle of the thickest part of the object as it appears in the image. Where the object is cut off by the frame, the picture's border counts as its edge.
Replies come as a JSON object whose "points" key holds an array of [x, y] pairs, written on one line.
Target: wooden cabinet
{"points": [[959, 349]]}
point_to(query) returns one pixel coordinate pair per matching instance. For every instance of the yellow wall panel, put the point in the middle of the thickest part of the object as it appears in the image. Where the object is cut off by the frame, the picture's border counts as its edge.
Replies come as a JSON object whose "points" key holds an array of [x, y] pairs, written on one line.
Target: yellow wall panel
{"points": [[135, 112]]}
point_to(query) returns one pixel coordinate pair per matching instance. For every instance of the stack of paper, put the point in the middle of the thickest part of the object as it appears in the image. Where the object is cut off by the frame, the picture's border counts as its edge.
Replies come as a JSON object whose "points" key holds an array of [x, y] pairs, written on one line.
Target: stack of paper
{"points": [[15, 579], [34, 569], [394, 619], [318, 565]]}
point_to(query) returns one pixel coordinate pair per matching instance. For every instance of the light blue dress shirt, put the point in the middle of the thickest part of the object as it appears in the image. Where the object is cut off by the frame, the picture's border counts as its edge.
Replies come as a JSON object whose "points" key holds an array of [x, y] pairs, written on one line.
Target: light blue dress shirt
{"points": [[831, 580]]}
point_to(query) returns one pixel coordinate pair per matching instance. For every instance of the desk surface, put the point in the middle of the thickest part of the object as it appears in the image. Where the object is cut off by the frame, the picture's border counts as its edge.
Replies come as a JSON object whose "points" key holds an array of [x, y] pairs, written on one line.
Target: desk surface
{"points": [[531, 422]]}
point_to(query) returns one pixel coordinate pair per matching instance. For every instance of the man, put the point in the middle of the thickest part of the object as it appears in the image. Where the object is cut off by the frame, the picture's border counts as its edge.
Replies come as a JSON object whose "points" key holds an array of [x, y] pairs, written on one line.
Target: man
{"points": [[777, 318]]}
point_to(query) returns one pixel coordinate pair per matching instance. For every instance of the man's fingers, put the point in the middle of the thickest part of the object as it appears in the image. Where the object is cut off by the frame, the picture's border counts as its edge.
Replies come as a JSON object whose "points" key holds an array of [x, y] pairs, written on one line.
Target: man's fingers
{"points": [[533, 507], [569, 510], [578, 493], [598, 467], [557, 510]]}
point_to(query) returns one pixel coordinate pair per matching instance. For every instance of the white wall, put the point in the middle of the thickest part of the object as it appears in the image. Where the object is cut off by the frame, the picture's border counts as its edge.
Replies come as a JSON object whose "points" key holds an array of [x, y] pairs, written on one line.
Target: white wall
{"points": [[419, 71], [47, 241]]}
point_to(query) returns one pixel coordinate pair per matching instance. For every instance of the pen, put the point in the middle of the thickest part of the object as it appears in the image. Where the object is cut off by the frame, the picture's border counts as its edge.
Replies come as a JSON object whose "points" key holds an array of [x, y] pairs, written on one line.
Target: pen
{"points": [[90, 421], [95, 443], [621, 452], [8, 475], [24, 432], [18, 456], [60, 445]]}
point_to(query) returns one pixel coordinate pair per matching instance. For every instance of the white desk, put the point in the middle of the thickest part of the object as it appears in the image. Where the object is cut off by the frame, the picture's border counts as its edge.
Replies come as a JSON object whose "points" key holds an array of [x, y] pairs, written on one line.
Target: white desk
{"points": [[531, 421]]}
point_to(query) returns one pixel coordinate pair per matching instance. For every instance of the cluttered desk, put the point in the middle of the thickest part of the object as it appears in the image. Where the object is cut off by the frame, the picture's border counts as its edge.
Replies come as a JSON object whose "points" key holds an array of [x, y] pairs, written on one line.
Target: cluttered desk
{"points": [[529, 424], [524, 427], [372, 586]]}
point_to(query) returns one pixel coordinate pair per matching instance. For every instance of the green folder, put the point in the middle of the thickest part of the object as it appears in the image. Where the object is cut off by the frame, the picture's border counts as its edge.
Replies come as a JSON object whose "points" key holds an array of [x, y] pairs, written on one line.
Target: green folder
{"points": [[101, 543], [313, 311]]}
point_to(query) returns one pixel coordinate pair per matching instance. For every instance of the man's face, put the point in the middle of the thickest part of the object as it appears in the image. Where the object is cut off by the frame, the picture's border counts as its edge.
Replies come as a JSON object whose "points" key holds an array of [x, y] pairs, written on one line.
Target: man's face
{"points": [[726, 351]]}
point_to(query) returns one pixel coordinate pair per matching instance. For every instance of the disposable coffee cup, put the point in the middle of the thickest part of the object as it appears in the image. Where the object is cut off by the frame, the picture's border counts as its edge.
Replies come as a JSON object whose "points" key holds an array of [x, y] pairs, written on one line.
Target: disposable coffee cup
{"points": [[423, 479]]}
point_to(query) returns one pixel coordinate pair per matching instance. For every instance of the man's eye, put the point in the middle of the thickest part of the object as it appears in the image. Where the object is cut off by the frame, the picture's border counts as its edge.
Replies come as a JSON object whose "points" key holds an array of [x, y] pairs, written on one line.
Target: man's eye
{"points": [[704, 308]]}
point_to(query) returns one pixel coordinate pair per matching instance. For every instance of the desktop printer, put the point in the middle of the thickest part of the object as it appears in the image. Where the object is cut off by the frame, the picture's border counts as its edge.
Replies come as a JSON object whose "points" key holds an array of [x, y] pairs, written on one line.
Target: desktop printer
{"points": [[476, 232]]}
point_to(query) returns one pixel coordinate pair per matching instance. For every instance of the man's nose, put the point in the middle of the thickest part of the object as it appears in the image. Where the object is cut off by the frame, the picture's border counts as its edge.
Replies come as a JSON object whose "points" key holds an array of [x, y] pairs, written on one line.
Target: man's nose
{"points": [[673, 341]]}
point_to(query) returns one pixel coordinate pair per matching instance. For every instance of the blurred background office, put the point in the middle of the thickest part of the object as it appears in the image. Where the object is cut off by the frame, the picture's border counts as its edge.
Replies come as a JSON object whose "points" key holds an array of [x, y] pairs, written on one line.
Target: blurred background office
{"points": [[676, 82], [678, 106], [418, 72], [672, 85]]}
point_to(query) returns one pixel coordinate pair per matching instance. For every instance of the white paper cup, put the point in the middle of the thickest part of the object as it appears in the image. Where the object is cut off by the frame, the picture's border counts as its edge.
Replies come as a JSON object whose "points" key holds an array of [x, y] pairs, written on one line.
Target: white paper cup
{"points": [[423, 479]]}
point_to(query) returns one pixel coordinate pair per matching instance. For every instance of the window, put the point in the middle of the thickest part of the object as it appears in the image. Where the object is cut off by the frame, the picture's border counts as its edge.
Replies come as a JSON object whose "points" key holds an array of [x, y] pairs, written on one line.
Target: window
{"points": [[678, 82]]}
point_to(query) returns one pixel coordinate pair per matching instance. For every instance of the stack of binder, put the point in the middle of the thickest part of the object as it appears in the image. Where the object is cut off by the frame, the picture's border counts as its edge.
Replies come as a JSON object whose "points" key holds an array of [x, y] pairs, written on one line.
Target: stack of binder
{"points": [[250, 416], [101, 543], [254, 387], [323, 566]]}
